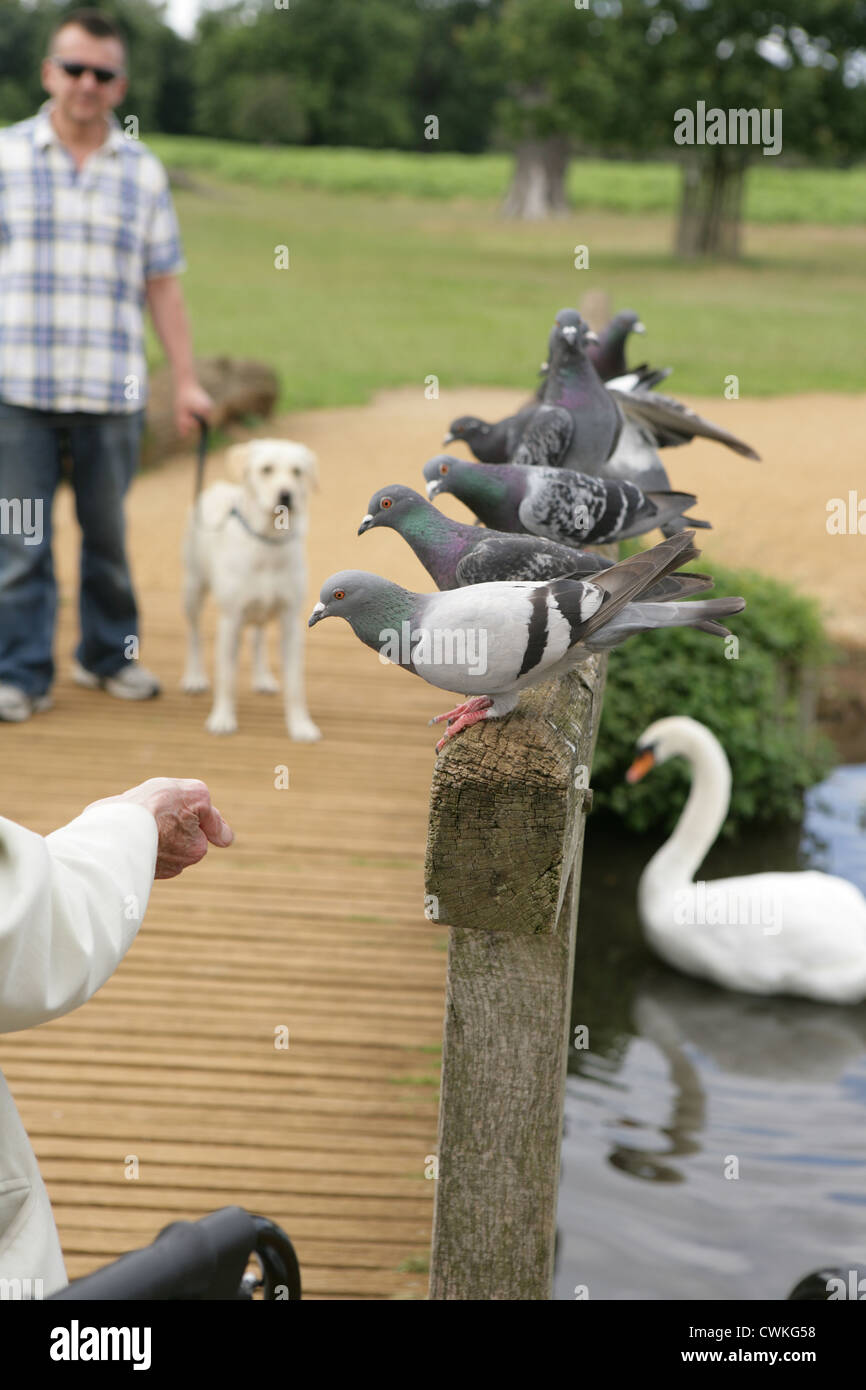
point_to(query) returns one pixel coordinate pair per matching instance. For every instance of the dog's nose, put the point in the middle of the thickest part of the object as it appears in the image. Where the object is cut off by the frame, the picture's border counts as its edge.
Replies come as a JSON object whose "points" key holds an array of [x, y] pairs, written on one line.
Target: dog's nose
{"points": [[285, 500]]}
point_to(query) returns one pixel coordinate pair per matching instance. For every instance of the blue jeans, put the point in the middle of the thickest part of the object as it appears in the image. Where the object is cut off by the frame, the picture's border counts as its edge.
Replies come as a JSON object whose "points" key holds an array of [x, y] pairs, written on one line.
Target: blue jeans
{"points": [[104, 451]]}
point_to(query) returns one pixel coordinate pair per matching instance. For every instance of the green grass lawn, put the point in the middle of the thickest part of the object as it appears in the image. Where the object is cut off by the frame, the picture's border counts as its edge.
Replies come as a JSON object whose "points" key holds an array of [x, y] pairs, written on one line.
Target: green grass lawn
{"points": [[773, 193], [386, 291]]}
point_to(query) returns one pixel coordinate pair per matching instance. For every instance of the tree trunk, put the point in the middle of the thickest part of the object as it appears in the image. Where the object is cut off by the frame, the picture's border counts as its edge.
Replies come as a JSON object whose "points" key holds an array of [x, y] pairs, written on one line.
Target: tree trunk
{"points": [[710, 217], [538, 183]]}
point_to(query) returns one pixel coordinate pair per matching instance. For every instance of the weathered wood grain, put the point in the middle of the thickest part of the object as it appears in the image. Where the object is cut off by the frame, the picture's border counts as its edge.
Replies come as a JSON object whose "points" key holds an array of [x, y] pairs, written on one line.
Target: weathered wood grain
{"points": [[503, 872]]}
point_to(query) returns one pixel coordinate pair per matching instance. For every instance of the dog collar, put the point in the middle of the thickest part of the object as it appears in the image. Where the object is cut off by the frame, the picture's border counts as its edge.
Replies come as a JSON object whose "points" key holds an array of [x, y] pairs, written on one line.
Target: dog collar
{"points": [[270, 540]]}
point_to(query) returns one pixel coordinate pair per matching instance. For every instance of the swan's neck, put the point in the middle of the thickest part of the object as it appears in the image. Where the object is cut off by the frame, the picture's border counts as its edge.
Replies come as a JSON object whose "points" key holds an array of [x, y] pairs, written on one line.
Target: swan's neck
{"points": [[703, 816]]}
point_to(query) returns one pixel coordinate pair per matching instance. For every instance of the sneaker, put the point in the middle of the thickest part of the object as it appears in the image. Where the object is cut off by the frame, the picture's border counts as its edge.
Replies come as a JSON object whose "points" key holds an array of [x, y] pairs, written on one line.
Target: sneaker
{"points": [[131, 682], [16, 705]]}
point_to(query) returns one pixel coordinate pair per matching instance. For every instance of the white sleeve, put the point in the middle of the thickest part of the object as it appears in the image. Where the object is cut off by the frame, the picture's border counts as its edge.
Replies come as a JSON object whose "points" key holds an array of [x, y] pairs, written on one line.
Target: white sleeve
{"points": [[70, 906]]}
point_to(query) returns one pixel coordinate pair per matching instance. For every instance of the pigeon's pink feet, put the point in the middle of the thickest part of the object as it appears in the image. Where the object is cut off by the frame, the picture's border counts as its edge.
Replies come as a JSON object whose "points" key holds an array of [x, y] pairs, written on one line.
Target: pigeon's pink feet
{"points": [[462, 717], [477, 702]]}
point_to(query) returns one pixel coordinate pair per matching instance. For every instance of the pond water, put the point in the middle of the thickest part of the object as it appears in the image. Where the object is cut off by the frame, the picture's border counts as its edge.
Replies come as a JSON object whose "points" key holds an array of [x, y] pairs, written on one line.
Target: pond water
{"points": [[684, 1084]]}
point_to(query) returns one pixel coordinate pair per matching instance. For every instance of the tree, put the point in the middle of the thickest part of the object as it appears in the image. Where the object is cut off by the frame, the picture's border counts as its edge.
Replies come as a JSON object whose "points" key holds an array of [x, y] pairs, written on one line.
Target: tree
{"points": [[556, 65], [350, 64], [613, 75], [270, 110], [446, 82], [790, 64]]}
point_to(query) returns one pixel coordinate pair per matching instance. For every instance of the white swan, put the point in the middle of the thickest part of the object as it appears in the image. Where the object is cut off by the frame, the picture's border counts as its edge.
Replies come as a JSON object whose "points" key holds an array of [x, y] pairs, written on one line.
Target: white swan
{"points": [[774, 933]]}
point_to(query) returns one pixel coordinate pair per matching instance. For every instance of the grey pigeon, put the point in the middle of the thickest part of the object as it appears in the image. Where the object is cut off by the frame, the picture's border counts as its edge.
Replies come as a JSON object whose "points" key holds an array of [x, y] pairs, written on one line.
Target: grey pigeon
{"points": [[610, 431], [455, 554], [496, 443], [607, 355], [493, 443], [586, 435], [572, 386], [561, 432], [565, 506], [492, 641]]}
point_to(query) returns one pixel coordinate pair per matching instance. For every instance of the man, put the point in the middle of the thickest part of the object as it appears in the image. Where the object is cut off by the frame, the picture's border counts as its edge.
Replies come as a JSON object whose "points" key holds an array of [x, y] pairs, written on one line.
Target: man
{"points": [[88, 234], [70, 907]]}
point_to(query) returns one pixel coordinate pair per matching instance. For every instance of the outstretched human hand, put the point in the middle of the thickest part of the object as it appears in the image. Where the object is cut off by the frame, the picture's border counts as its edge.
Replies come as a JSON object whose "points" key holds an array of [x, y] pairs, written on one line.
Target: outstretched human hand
{"points": [[185, 820]]}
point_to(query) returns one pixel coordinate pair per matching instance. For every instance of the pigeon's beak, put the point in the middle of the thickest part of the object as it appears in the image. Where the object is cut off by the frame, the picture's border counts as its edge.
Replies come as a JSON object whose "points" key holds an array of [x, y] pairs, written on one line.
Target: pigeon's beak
{"points": [[641, 765], [433, 487], [317, 614], [639, 327], [590, 337], [365, 524], [449, 438], [569, 333]]}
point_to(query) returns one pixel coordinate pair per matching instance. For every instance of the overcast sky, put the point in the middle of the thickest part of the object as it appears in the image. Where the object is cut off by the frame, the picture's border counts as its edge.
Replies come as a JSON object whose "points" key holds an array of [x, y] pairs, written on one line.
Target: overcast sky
{"points": [[181, 15]]}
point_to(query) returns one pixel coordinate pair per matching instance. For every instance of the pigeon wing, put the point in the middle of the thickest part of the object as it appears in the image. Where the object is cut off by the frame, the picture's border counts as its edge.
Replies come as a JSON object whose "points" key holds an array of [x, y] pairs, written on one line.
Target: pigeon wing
{"points": [[546, 441], [632, 577], [671, 423], [563, 505], [643, 377], [527, 558], [679, 586]]}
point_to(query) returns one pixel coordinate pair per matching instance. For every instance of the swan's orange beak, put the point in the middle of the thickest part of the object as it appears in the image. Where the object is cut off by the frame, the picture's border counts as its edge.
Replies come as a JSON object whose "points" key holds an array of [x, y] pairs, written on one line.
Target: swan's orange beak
{"points": [[641, 765]]}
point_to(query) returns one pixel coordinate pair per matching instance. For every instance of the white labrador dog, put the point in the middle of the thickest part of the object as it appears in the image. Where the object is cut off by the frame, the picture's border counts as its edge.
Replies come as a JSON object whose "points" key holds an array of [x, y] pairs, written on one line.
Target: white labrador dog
{"points": [[245, 544]]}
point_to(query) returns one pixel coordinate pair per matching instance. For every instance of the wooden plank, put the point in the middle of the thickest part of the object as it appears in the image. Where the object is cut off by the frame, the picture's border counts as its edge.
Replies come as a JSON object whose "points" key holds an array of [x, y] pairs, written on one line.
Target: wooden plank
{"points": [[313, 919]]}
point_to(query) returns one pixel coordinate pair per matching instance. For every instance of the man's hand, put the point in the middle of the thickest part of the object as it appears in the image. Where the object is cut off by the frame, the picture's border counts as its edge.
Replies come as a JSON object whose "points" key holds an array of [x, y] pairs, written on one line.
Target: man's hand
{"points": [[190, 400], [185, 820]]}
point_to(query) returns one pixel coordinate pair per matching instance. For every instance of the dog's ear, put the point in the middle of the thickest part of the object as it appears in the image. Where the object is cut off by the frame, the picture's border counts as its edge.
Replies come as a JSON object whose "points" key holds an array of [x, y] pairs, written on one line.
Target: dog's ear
{"points": [[237, 458]]}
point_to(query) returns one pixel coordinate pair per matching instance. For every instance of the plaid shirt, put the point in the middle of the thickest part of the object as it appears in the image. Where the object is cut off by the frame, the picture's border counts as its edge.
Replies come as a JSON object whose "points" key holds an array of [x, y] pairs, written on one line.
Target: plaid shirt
{"points": [[76, 250]]}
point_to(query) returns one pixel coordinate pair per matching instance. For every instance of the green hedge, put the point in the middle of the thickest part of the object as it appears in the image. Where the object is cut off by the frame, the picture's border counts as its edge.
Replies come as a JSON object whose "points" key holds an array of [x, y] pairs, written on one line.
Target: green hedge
{"points": [[752, 703]]}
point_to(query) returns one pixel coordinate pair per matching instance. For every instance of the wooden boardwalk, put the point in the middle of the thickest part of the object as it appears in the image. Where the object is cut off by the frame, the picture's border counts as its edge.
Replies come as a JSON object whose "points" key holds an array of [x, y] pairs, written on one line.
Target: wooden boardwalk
{"points": [[313, 921]]}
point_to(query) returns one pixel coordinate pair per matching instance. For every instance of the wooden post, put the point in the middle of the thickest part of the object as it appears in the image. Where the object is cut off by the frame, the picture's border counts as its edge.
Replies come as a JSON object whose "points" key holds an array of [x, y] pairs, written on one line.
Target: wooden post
{"points": [[504, 851]]}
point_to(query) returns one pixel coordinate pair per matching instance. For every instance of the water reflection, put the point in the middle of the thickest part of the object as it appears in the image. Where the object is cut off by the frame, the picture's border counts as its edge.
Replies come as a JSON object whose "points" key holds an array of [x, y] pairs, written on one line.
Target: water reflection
{"points": [[714, 1141]]}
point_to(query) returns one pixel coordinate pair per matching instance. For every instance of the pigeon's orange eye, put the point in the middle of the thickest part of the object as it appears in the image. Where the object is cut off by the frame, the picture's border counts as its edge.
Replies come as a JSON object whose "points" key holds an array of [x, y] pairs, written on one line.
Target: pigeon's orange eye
{"points": [[443, 468], [339, 593], [385, 503]]}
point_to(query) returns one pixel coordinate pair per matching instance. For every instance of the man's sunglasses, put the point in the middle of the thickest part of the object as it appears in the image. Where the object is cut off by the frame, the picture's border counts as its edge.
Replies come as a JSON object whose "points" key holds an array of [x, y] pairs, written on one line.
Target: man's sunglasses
{"points": [[102, 75]]}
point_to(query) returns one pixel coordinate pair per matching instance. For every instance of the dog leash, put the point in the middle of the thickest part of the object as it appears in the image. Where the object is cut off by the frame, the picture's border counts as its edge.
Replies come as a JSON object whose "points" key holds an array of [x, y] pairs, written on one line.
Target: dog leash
{"points": [[269, 540], [203, 440]]}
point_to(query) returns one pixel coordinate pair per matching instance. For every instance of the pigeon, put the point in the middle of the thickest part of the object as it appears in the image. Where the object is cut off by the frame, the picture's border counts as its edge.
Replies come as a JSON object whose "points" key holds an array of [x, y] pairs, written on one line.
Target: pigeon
{"points": [[607, 355], [565, 506], [569, 428], [494, 640], [570, 384], [455, 554], [496, 442], [493, 443], [609, 430]]}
